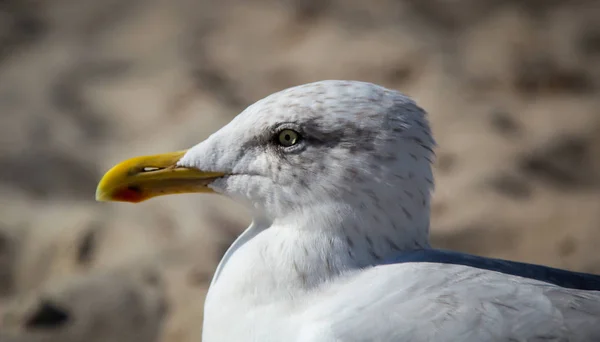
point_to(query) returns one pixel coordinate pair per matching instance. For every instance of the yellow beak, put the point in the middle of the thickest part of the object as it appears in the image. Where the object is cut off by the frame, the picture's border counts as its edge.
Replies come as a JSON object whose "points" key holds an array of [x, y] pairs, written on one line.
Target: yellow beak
{"points": [[141, 178]]}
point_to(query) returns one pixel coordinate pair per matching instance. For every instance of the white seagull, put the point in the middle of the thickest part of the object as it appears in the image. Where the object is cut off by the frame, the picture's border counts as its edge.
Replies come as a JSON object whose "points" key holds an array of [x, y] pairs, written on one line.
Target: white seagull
{"points": [[338, 177]]}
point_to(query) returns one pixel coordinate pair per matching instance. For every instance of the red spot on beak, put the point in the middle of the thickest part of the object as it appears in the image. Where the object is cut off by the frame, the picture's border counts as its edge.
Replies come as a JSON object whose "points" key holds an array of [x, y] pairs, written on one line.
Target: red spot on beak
{"points": [[129, 194]]}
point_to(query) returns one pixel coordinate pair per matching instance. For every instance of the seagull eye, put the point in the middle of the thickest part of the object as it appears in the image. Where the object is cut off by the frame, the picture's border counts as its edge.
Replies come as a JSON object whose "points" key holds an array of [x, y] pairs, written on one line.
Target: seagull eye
{"points": [[288, 137]]}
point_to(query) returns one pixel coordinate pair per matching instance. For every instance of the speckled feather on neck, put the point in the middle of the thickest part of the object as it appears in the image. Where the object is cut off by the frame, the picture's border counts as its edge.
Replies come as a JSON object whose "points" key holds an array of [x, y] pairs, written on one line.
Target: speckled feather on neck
{"points": [[353, 193]]}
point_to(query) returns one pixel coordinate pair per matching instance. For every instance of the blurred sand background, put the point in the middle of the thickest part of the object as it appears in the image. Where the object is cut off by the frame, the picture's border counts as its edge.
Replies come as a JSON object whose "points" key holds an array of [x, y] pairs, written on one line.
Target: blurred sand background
{"points": [[512, 88]]}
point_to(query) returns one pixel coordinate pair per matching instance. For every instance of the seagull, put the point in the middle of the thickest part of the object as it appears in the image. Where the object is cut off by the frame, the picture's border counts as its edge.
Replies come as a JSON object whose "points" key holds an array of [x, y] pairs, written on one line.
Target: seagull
{"points": [[338, 176]]}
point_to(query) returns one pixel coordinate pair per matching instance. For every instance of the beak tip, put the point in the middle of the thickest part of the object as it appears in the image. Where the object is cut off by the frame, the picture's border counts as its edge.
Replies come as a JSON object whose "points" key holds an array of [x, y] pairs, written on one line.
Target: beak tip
{"points": [[102, 198]]}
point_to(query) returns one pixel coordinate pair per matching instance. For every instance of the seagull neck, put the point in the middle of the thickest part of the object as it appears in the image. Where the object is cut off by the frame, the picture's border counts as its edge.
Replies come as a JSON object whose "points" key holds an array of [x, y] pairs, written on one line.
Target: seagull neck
{"points": [[367, 235], [274, 261]]}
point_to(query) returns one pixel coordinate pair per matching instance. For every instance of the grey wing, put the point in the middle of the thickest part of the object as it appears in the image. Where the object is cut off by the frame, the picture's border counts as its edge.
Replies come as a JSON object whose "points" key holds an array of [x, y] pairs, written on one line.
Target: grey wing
{"points": [[437, 302]]}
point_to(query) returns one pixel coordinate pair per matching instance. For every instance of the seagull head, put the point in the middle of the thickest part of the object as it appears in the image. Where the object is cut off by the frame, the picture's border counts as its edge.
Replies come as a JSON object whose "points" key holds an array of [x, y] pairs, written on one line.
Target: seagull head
{"points": [[333, 144]]}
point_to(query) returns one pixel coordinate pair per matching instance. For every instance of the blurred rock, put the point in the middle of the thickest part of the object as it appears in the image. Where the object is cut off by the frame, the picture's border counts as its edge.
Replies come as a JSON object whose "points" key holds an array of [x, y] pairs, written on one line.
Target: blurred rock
{"points": [[512, 88], [104, 307]]}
